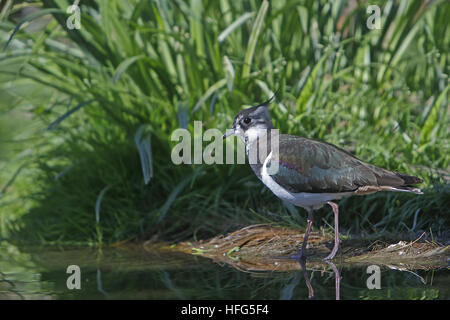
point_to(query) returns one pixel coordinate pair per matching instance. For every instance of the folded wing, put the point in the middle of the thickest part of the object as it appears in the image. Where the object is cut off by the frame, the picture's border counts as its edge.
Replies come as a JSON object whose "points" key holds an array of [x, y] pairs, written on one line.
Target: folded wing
{"points": [[307, 165]]}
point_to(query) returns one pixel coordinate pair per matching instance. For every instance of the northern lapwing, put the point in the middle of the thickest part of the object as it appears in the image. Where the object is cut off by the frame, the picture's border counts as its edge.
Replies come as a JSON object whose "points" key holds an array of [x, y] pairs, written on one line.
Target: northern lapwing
{"points": [[311, 173]]}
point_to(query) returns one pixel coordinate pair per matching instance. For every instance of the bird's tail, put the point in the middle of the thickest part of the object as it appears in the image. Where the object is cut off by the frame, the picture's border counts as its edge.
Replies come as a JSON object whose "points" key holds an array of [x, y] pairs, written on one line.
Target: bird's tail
{"points": [[408, 179]]}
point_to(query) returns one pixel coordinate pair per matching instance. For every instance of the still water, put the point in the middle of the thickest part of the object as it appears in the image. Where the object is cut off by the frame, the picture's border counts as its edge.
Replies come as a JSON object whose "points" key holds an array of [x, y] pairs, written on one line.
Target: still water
{"points": [[133, 273]]}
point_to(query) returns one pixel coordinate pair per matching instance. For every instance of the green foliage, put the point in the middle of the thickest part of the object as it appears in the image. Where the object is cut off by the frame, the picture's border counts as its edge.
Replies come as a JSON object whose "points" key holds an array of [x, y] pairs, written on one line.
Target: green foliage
{"points": [[382, 94]]}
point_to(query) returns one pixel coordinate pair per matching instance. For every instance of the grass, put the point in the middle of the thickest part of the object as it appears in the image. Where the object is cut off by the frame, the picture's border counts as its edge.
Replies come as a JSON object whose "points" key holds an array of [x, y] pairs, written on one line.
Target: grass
{"points": [[107, 98]]}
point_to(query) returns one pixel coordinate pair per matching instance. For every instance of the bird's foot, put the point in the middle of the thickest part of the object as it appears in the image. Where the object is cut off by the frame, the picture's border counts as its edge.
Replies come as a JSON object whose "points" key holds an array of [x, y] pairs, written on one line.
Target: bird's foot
{"points": [[300, 256]]}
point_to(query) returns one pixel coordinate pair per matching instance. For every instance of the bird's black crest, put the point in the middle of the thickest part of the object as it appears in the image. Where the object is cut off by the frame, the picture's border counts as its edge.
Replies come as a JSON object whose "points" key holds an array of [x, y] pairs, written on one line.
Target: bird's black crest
{"points": [[267, 102]]}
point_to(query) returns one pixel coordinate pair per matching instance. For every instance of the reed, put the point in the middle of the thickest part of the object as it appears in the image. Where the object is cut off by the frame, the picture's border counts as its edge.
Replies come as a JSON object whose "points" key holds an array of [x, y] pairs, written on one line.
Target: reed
{"points": [[137, 70]]}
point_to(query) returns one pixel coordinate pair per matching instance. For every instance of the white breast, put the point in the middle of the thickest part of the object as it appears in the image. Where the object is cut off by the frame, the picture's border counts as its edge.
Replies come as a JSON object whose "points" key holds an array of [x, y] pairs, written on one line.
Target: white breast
{"points": [[302, 199]]}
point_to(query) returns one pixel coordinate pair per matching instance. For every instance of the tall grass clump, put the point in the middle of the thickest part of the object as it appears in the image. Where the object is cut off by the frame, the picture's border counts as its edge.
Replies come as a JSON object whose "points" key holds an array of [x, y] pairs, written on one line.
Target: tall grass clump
{"points": [[137, 70]]}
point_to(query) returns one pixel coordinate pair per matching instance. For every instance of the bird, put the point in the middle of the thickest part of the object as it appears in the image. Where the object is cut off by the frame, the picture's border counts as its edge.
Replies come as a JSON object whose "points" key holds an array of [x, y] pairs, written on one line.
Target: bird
{"points": [[310, 173]]}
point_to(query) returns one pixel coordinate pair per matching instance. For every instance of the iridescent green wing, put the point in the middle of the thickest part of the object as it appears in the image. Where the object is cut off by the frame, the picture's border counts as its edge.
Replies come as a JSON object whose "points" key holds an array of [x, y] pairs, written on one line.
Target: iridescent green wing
{"points": [[313, 166]]}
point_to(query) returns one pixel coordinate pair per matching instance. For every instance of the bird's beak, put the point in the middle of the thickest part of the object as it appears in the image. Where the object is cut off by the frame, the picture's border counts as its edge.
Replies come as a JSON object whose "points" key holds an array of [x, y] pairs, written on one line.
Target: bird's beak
{"points": [[228, 133]]}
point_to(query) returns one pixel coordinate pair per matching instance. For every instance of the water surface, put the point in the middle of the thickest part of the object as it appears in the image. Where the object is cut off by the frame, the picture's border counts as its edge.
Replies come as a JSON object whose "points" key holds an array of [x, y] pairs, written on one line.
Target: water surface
{"points": [[133, 273]]}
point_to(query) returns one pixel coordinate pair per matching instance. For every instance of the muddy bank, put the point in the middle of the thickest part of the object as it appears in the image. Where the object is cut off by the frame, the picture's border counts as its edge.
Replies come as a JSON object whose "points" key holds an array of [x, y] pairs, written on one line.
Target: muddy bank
{"points": [[268, 248]]}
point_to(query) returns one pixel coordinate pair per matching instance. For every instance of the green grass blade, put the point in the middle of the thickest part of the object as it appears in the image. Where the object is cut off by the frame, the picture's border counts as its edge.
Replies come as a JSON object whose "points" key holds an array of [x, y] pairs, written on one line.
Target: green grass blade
{"points": [[229, 72], [142, 140], [219, 84], [30, 17], [432, 118], [236, 24], [254, 36], [173, 195], [56, 123], [123, 66], [98, 202]]}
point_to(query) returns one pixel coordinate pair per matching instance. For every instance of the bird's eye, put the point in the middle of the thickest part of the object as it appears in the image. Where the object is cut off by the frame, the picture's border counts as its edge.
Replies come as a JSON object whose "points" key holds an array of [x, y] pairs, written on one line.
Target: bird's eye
{"points": [[247, 120]]}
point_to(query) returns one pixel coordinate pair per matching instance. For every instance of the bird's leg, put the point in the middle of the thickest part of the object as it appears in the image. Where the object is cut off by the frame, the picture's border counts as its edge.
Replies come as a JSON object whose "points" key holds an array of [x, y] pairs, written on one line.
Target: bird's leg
{"points": [[305, 238], [307, 279], [337, 277], [335, 208]]}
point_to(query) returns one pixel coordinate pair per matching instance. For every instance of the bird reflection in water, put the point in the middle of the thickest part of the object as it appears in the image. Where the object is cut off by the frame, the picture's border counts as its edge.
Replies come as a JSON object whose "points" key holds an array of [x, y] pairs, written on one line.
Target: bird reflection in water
{"points": [[337, 277]]}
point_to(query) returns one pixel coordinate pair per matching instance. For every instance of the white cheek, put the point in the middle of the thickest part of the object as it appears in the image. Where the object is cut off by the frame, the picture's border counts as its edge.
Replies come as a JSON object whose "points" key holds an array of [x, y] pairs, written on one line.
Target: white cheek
{"points": [[251, 134]]}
